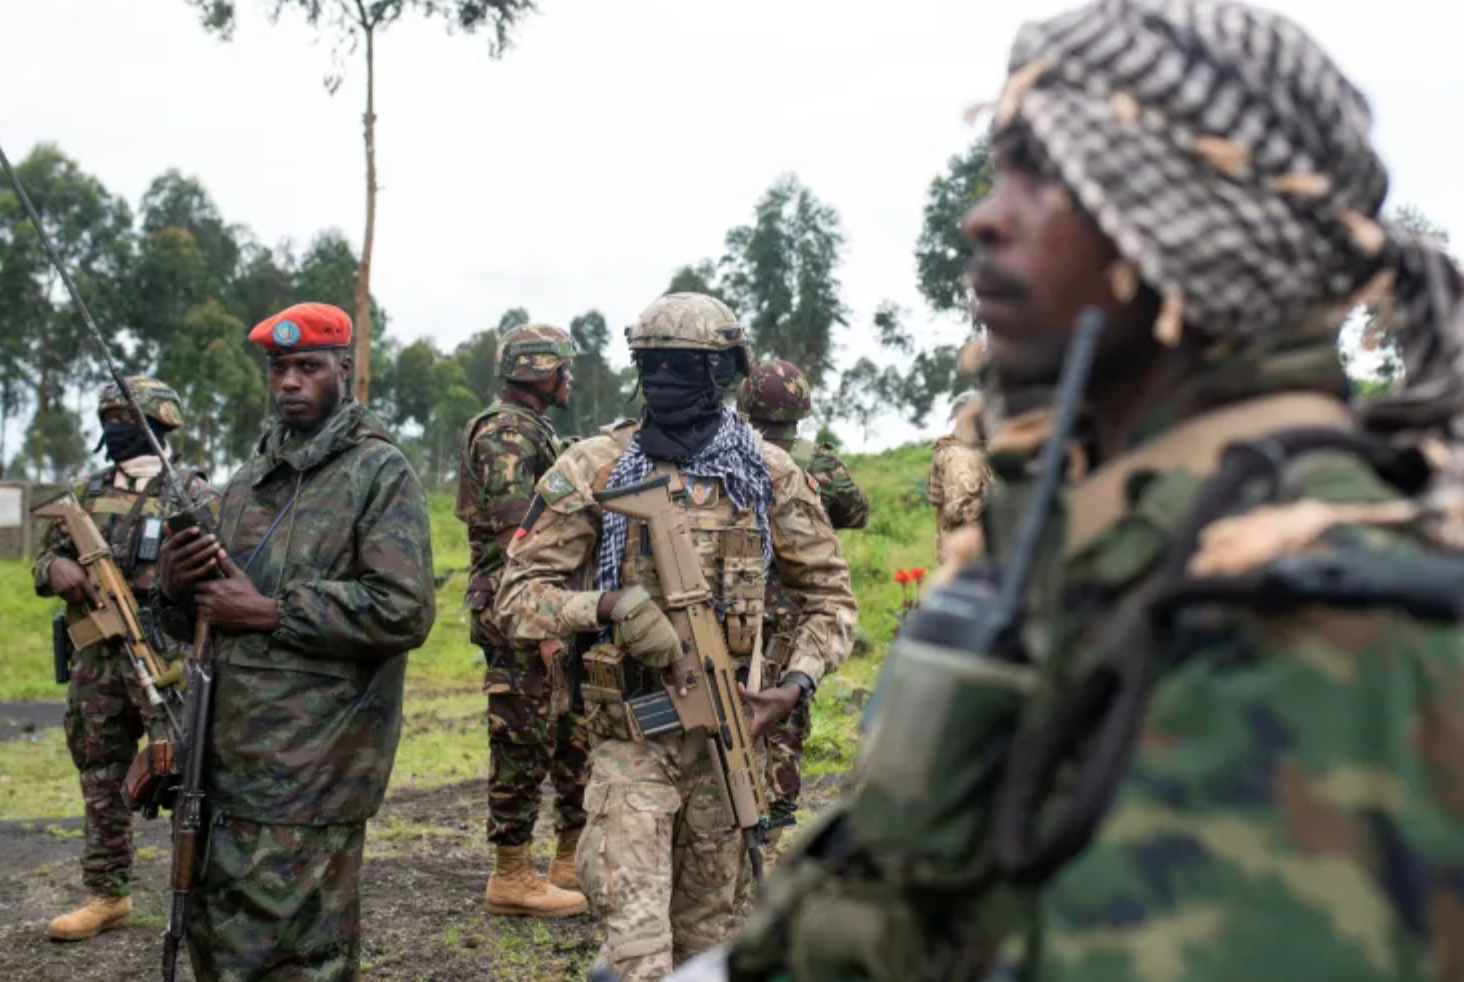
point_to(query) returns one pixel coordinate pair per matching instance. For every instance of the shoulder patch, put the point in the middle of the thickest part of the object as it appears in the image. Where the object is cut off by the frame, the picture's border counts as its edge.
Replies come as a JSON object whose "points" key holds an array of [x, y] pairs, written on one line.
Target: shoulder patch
{"points": [[556, 486]]}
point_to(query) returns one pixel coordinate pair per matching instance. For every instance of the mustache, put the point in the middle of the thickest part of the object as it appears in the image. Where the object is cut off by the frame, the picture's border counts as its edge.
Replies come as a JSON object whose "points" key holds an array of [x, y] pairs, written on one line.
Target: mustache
{"points": [[982, 277]]}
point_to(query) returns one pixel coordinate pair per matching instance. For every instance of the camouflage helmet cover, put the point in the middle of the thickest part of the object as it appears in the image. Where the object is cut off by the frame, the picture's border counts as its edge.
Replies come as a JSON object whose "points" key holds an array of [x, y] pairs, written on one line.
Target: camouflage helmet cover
{"points": [[687, 320], [534, 352], [776, 391], [157, 399]]}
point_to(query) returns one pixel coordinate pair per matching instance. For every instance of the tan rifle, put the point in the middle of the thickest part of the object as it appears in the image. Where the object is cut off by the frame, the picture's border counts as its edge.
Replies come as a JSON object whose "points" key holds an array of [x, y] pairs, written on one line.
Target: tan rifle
{"points": [[711, 702], [116, 619]]}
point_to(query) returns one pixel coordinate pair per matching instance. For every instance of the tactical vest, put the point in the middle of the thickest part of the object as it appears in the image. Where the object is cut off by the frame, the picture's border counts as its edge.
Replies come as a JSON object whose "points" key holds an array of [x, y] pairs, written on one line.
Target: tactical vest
{"points": [[470, 483], [729, 544], [131, 521]]}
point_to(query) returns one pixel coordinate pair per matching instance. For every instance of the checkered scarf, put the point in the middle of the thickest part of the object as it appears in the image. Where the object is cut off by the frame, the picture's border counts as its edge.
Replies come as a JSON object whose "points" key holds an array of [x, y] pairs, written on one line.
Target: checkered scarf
{"points": [[734, 456], [1231, 163]]}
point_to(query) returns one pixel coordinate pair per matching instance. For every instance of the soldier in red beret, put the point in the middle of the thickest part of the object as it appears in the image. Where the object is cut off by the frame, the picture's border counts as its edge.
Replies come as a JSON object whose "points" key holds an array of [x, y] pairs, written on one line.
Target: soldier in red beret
{"points": [[325, 546]]}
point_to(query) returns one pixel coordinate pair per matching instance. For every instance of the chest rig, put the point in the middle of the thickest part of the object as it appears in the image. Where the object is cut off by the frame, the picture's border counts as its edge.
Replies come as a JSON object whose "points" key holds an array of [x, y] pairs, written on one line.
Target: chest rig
{"points": [[130, 521]]}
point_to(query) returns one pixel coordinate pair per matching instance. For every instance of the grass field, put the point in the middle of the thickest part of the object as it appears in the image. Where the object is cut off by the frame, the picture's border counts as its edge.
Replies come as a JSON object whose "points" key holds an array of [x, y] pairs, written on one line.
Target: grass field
{"points": [[444, 677]]}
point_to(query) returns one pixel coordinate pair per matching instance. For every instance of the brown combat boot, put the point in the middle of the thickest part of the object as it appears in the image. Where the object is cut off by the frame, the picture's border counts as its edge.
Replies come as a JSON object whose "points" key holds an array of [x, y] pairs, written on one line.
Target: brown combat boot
{"points": [[561, 867], [90, 919], [515, 889]]}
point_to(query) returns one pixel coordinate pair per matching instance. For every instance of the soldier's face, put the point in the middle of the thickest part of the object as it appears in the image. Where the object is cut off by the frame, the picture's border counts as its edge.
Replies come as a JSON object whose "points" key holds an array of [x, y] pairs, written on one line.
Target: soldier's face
{"points": [[307, 386], [563, 384], [1037, 261]]}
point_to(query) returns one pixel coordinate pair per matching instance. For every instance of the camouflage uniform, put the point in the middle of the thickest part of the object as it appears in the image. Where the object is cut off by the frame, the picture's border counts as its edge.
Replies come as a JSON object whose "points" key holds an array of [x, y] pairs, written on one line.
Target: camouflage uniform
{"points": [[775, 397], [1274, 789], [959, 477], [506, 449], [306, 719], [658, 857], [106, 709]]}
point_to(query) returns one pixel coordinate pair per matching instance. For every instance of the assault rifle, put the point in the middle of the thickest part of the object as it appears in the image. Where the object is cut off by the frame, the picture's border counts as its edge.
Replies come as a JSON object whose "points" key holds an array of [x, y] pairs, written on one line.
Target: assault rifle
{"points": [[711, 702], [117, 620], [188, 824]]}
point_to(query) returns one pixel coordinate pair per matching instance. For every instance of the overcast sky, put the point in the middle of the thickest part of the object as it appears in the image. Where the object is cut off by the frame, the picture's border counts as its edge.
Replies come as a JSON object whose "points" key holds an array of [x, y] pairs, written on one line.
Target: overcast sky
{"points": [[616, 141]]}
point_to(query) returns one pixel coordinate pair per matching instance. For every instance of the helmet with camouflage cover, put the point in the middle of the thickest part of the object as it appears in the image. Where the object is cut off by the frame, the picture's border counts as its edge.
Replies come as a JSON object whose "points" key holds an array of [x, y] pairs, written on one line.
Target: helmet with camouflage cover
{"points": [[534, 352], [157, 399], [775, 391], [687, 320]]}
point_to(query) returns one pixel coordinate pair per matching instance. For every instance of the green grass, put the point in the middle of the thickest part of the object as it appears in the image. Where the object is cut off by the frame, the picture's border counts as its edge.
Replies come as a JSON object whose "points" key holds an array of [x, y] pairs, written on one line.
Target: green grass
{"points": [[444, 740], [25, 637]]}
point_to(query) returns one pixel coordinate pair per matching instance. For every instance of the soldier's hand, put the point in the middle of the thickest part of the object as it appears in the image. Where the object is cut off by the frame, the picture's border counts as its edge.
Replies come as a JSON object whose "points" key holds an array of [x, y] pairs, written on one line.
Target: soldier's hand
{"points": [[184, 560], [70, 582], [233, 604], [770, 705], [644, 630]]}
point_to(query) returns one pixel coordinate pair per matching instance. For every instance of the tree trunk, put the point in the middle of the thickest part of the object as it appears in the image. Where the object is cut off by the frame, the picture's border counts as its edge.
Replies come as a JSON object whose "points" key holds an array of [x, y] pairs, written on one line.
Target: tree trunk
{"points": [[363, 272]]}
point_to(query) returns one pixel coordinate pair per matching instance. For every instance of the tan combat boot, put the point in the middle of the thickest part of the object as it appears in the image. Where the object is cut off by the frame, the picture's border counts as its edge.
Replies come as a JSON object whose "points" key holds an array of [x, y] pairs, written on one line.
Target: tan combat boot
{"points": [[561, 867], [515, 889], [90, 919]]}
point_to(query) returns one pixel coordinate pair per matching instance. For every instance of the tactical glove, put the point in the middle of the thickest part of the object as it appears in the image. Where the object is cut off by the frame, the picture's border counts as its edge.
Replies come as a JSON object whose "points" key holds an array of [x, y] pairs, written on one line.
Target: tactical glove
{"points": [[643, 630]]}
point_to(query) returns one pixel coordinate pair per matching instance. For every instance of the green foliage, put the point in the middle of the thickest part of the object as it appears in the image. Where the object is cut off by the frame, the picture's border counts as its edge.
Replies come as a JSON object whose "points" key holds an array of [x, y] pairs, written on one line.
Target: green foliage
{"points": [[700, 278], [781, 276], [941, 252]]}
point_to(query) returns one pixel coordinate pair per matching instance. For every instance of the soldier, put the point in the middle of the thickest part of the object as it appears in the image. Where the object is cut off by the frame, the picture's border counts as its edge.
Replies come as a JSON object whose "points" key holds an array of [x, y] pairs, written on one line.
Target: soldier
{"points": [[505, 450], [324, 543], [775, 398], [106, 710], [659, 857], [959, 475], [1242, 755]]}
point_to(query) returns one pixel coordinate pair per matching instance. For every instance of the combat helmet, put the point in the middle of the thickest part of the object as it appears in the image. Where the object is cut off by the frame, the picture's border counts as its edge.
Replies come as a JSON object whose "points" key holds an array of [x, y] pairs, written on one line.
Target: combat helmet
{"points": [[157, 399], [690, 322], [775, 391], [534, 352]]}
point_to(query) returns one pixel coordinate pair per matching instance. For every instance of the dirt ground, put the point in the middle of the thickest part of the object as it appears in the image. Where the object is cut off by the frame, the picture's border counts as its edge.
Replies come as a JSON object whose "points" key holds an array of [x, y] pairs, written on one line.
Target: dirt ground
{"points": [[422, 898]]}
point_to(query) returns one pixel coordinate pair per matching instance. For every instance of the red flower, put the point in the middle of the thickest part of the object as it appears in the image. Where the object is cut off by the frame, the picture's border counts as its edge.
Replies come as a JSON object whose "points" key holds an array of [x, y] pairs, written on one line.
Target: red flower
{"points": [[901, 576], [918, 573]]}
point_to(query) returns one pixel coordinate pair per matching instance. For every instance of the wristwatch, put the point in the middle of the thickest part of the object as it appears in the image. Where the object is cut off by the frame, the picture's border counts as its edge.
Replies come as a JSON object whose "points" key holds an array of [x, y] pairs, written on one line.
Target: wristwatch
{"points": [[804, 683]]}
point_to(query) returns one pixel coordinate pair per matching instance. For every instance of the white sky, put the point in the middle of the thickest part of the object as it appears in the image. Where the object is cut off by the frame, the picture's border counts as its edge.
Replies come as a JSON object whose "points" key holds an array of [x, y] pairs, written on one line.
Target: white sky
{"points": [[618, 140]]}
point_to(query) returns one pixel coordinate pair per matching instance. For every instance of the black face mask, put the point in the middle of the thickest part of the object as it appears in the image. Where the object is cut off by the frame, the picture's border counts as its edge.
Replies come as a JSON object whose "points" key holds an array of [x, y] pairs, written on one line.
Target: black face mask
{"points": [[683, 403], [124, 441]]}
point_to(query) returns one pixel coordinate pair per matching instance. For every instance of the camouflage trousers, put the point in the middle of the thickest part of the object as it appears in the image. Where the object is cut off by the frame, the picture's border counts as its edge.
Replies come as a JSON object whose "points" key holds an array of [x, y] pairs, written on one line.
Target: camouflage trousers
{"points": [[104, 720], [785, 758], [527, 742], [657, 858], [278, 903]]}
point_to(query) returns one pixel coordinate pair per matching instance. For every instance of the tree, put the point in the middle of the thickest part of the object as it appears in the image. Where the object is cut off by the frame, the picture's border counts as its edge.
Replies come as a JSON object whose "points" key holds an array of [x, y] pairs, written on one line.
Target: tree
{"points": [[940, 252], [780, 275], [46, 348], [353, 24], [701, 278]]}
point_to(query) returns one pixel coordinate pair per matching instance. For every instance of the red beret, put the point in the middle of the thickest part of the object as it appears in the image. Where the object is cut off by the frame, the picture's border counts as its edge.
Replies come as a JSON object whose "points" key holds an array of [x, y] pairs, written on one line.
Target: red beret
{"points": [[303, 327]]}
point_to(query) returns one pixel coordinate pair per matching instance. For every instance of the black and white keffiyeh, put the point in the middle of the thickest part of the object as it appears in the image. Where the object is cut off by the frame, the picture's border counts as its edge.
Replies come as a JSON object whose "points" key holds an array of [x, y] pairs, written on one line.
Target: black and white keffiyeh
{"points": [[734, 457], [1231, 162]]}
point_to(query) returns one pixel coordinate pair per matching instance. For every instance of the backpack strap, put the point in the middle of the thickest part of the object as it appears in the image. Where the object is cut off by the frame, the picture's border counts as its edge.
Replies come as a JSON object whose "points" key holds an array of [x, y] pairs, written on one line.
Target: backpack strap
{"points": [[1099, 500]]}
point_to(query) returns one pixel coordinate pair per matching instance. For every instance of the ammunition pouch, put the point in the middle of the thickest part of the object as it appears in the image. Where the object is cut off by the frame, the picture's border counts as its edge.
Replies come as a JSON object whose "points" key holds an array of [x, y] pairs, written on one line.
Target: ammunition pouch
{"points": [[480, 596], [744, 589], [151, 782], [61, 649], [605, 670]]}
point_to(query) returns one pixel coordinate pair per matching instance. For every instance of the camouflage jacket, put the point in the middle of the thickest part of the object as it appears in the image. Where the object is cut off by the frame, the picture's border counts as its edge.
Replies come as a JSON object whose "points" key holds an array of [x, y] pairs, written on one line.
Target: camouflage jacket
{"points": [[126, 511], [540, 599], [505, 450], [1292, 806], [307, 718], [842, 500], [959, 477]]}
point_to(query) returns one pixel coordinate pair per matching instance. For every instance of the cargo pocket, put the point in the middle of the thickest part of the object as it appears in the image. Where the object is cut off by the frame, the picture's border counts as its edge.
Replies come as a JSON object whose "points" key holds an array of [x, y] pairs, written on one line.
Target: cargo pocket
{"points": [[624, 855]]}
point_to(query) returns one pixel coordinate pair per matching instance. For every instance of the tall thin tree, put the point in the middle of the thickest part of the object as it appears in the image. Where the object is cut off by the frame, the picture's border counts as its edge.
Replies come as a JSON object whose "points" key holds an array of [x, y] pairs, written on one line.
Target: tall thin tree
{"points": [[356, 24]]}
